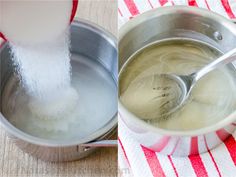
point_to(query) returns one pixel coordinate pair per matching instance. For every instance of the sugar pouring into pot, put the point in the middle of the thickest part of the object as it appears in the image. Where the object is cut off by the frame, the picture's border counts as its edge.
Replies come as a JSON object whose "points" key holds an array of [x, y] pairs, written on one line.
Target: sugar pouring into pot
{"points": [[47, 115], [40, 49]]}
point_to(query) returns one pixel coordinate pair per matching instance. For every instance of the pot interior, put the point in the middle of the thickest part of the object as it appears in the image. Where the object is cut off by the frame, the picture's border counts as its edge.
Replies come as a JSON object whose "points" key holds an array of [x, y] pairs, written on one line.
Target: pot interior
{"points": [[211, 100]]}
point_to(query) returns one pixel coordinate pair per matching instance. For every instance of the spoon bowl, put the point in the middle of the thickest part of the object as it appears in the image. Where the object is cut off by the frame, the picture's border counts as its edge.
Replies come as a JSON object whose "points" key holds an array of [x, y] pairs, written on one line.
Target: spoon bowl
{"points": [[187, 82]]}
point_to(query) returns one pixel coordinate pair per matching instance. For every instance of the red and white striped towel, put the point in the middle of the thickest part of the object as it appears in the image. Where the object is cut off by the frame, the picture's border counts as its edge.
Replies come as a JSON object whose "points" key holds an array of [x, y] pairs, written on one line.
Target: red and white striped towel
{"points": [[136, 160]]}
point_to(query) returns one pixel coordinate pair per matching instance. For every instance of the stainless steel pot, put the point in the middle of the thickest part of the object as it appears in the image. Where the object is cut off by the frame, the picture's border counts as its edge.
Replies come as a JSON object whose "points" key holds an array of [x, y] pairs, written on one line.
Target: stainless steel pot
{"points": [[88, 40], [176, 23]]}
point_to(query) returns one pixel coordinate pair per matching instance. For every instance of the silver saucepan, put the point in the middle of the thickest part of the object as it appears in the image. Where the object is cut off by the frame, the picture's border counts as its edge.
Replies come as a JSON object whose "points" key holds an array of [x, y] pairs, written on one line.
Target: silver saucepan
{"points": [[95, 44], [168, 23]]}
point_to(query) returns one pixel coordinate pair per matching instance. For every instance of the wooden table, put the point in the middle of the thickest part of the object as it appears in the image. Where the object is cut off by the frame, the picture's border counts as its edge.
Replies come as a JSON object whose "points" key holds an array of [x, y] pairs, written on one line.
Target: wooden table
{"points": [[15, 163]]}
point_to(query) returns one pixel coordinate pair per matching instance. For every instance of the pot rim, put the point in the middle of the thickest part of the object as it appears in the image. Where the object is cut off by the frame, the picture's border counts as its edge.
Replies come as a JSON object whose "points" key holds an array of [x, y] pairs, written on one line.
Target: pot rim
{"points": [[12, 130], [132, 23], [126, 114]]}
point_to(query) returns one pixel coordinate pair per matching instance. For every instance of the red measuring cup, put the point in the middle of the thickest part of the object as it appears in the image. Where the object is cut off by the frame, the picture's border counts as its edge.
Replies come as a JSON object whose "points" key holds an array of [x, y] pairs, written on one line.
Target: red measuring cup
{"points": [[73, 12]]}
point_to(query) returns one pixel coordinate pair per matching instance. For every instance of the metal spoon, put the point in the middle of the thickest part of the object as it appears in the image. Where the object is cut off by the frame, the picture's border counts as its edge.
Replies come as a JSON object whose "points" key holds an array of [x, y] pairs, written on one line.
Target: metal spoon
{"points": [[187, 82]]}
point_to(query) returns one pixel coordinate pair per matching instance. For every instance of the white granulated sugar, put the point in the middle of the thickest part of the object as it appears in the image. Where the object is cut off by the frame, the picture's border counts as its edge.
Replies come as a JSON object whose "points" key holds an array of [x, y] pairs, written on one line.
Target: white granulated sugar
{"points": [[43, 68], [44, 71]]}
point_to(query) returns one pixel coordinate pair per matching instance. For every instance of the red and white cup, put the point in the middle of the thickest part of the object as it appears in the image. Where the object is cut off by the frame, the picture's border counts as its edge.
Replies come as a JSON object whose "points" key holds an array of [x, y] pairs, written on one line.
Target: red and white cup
{"points": [[73, 12]]}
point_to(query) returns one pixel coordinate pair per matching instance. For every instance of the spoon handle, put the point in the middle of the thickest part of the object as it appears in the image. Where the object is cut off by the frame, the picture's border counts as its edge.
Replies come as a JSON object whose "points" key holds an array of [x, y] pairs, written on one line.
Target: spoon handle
{"points": [[223, 60]]}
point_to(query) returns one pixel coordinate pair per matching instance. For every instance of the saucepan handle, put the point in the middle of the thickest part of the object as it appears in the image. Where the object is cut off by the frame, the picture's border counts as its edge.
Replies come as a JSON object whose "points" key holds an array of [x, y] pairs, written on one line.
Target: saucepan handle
{"points": [[234, 20], [101, 143]]}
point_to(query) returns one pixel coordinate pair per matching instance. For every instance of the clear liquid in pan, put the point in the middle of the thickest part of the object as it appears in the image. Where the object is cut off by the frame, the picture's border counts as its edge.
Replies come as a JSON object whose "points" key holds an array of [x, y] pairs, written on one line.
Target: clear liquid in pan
{"points": [[96, 106], [211, 100]]}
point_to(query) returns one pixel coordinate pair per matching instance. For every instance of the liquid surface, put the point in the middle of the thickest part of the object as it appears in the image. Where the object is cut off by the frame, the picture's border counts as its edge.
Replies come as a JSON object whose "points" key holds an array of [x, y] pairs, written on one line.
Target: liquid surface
{"points": [[212, 98], [96, 106]]}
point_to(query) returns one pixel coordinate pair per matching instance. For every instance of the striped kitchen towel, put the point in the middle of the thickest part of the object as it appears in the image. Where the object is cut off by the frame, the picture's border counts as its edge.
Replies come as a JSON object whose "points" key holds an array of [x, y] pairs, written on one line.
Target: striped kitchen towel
{"points": [[138, 161], [130, 8]]}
